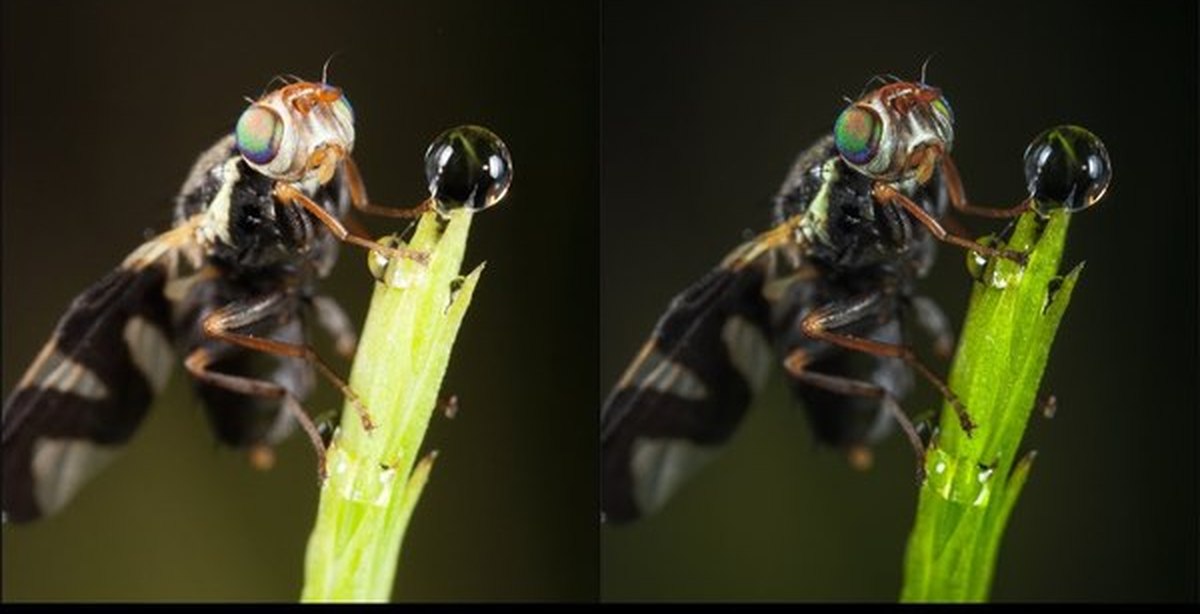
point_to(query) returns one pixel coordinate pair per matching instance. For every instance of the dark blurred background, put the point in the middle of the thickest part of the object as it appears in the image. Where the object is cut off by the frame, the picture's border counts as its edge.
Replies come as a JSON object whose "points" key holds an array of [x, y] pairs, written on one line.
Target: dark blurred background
{"points": [[106, 105], [705, 106]]}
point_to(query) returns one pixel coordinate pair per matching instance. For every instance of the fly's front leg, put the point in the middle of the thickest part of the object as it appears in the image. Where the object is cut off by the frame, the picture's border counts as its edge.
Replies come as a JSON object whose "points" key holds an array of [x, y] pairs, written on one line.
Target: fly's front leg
{"points": [[358, 196], [958, 195], [289, 194], [822, 323], [888, 195]]}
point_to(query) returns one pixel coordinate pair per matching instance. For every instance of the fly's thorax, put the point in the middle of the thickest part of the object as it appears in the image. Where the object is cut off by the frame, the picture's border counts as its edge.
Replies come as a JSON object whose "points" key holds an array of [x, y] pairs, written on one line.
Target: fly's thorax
{"points": [[837, 221], [244, 226]]}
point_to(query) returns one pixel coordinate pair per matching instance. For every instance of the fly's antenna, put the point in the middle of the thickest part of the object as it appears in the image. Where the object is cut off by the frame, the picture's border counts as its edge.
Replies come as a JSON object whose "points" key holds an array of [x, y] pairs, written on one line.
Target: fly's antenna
{"points": [[325, 67], [925, 65], [873, 79], [267, 87]]}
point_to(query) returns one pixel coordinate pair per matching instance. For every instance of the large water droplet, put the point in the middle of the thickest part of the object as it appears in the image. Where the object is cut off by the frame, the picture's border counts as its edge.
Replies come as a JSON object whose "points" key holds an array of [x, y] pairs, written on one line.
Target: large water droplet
{"points": [[1066, 167], [467, 167]]}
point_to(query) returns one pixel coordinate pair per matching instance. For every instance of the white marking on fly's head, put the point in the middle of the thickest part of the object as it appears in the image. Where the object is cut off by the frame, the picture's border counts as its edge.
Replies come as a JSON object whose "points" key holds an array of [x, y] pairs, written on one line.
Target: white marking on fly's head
{"points": [[150, 351], [61, 466], [316, 130], [660, 466], [215, 223], [52, 370], [654, 371], [749, 351]]}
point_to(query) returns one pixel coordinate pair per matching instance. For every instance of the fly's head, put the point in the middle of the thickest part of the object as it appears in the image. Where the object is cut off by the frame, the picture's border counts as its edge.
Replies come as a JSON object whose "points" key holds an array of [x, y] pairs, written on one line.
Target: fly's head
{"points": [[297, 133], [896, 132]]}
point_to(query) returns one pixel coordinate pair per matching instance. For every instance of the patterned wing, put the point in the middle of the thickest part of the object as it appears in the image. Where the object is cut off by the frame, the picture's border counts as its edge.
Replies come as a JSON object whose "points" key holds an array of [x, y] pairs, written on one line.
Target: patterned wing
{"points": [[90, 386], [686, 391]]}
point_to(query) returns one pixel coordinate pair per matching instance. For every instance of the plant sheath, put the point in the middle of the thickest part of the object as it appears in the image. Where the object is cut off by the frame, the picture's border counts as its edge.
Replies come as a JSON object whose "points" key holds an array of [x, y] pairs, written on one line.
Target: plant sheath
{"points": [[374, 478], [971, 483]]}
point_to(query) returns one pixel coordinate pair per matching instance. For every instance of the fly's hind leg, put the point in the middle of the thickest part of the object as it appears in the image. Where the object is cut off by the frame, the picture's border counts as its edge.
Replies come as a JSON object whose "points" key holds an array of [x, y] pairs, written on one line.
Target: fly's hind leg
{"points": [[823, 322], [358, 196], [223, 323], [797, 366], [198, 363]]}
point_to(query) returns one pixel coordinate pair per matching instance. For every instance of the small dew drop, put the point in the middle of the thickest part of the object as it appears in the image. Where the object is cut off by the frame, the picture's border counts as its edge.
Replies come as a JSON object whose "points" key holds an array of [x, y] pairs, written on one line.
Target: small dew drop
{"points": [[985, 493], [977, 263], [951, 481], [1003, 279], [377, 262], [985, 474], [387, 479], [402, 274]]}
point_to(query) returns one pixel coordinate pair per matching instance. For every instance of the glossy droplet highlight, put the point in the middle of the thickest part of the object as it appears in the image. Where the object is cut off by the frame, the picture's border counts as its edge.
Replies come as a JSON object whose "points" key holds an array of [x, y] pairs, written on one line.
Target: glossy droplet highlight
{"points": [[977, 262], [467, 167], [959, 479], [1066, 167]]}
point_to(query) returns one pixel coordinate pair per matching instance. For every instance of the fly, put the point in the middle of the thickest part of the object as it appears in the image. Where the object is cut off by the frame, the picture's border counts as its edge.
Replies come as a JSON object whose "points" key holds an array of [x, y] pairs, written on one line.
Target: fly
{"points": [[257, 224], [822, 293]]}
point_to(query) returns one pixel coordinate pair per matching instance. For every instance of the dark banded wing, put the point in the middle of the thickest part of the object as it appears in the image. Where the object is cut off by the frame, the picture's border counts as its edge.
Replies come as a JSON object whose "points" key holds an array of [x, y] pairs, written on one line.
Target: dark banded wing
{"points": [[89, 387], [686, 391]]}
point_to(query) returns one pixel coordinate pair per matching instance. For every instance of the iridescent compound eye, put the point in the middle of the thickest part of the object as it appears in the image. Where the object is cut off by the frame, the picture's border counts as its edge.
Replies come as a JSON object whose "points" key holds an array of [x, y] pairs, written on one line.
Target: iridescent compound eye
{"points": [[468, 167], [259, 132], [856, 134]]}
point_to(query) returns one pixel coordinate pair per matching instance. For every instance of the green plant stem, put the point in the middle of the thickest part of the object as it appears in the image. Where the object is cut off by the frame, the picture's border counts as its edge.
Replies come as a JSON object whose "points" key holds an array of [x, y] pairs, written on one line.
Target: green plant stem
{"points": [[971, 484], [374, 478]]}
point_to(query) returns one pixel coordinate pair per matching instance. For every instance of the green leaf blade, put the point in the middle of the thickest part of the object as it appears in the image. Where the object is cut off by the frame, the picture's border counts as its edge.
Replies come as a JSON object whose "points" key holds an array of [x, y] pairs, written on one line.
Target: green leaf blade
{"points": [[375, 481], [964, 505]]}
